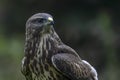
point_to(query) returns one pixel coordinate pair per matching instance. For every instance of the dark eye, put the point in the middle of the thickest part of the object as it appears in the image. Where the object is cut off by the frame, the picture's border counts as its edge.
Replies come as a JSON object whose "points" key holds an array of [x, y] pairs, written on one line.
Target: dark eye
{"points": [[39, 20]]}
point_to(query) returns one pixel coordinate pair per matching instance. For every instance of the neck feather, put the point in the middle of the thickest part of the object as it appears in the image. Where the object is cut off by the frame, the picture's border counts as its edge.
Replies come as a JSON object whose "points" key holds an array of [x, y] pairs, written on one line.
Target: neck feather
{"points": [[36, 44]]}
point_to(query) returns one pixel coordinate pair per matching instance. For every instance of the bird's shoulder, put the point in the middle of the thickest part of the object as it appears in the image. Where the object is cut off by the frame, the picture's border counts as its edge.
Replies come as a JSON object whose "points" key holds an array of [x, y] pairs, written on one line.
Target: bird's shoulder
{"points": [[63, 48], [71, 66]]}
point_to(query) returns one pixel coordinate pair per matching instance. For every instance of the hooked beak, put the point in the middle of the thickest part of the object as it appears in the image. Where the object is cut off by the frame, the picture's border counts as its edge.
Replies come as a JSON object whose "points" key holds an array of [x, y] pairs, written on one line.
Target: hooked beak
{"points": [[51, 22]]}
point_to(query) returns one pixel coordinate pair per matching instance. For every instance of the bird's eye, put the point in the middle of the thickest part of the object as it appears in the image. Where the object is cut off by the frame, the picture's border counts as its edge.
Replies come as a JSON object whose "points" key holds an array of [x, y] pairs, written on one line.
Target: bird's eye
{"points": [[38, 20]]}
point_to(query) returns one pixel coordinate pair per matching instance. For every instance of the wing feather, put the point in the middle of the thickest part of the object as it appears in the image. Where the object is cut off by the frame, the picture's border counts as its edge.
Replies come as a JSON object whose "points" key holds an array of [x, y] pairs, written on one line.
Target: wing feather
{"points": [[71, 66]]}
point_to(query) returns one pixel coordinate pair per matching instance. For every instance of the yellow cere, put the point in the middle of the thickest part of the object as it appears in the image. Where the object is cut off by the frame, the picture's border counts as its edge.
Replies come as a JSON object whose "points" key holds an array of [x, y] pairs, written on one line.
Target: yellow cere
{"points": [[50, 19]]}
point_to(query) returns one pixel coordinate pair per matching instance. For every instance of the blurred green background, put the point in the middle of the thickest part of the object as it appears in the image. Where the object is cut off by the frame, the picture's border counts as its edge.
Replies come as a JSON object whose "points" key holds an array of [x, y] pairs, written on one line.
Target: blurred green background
{"points": [[91, 27]]}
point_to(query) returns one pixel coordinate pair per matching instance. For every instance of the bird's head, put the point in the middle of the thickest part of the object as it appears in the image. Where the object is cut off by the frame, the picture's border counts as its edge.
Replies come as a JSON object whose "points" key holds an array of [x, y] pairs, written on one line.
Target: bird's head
{"points": [[39, 23]]}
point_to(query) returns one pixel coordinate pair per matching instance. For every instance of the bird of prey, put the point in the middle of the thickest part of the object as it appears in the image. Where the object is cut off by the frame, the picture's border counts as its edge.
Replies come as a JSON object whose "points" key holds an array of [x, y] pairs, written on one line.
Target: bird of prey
{"points": [[47, 57]]}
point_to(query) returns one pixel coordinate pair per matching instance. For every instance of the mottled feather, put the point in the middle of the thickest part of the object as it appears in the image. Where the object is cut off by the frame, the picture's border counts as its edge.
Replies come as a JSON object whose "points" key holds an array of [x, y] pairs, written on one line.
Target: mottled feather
{"points": [[47, 57]]}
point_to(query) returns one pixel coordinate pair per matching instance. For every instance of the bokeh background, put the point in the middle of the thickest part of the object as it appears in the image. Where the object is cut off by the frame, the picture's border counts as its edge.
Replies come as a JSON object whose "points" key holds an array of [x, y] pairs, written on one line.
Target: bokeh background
{"points": [[91, 27]]}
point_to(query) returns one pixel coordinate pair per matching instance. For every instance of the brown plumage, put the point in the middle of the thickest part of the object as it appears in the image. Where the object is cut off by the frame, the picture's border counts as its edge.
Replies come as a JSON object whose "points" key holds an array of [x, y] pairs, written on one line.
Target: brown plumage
{"points": [[47, 57]]}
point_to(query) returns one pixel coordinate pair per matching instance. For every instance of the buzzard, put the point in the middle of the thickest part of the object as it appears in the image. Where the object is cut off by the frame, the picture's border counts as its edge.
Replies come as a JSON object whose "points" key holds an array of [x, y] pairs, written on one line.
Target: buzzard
{"points": [[47, 57]]}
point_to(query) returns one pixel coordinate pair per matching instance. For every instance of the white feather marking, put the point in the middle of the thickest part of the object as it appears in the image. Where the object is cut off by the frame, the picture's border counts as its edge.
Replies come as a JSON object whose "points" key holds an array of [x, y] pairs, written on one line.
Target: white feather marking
{"points": [[77, 64], [54, 63], [30, 52], [40, 48], [37, 45], [23, 60], [49, 45], [45, 41], [93, 71]]}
